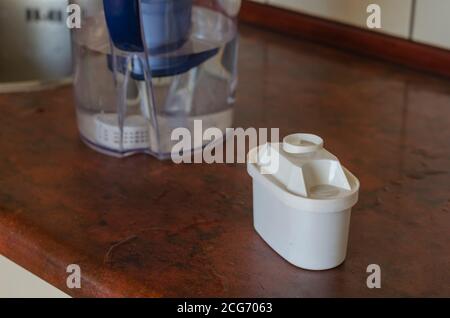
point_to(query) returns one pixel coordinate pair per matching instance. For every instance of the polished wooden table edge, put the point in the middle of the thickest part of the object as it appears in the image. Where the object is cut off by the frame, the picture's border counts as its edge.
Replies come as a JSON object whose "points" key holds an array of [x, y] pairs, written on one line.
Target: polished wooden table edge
{"points": [[19, 240]]}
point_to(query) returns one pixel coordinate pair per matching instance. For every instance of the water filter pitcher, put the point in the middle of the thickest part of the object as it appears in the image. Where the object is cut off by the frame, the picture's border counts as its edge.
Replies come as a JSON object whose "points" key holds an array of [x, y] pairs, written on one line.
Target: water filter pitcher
{"points": [[146, 67]]}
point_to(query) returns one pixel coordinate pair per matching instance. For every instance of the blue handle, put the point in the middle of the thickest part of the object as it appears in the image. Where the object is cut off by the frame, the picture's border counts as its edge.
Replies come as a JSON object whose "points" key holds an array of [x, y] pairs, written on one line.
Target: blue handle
{"points": [[123, 20]]}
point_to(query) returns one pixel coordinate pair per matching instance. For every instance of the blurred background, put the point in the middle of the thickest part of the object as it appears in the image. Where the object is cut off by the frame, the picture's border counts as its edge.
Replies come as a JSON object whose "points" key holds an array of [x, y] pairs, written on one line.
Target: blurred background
{"points": [[38, 52], [422, 21], [36, 49]]}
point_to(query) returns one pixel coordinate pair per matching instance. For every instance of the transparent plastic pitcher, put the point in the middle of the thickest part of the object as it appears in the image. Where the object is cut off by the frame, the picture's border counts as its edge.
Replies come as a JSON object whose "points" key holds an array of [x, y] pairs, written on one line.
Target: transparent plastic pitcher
{"points": [[146, 67]]}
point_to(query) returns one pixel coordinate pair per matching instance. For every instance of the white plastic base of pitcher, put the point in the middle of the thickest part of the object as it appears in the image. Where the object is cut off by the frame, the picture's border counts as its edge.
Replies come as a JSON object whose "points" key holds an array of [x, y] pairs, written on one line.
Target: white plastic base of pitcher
{"points": [[101, 132]]}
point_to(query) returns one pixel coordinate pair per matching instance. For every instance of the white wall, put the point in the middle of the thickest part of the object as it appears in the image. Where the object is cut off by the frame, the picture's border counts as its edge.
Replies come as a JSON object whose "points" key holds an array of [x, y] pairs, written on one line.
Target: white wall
{"points": [[432, 23], [396, 14]]}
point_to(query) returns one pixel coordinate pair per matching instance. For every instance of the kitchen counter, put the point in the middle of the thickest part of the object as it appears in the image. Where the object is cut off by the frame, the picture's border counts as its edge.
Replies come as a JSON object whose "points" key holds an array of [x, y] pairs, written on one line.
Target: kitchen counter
{"points": [[142, 227]]}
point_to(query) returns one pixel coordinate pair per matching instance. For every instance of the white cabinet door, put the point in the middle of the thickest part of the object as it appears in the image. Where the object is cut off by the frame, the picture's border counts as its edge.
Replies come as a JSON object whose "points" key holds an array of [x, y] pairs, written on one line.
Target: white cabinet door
{"points": [[17, 282], [395, 14], [432, 22]]}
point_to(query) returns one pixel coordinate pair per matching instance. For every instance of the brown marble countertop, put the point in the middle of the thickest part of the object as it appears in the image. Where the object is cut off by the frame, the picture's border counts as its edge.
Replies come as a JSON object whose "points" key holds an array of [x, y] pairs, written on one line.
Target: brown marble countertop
{"points": [[141, 227]]}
